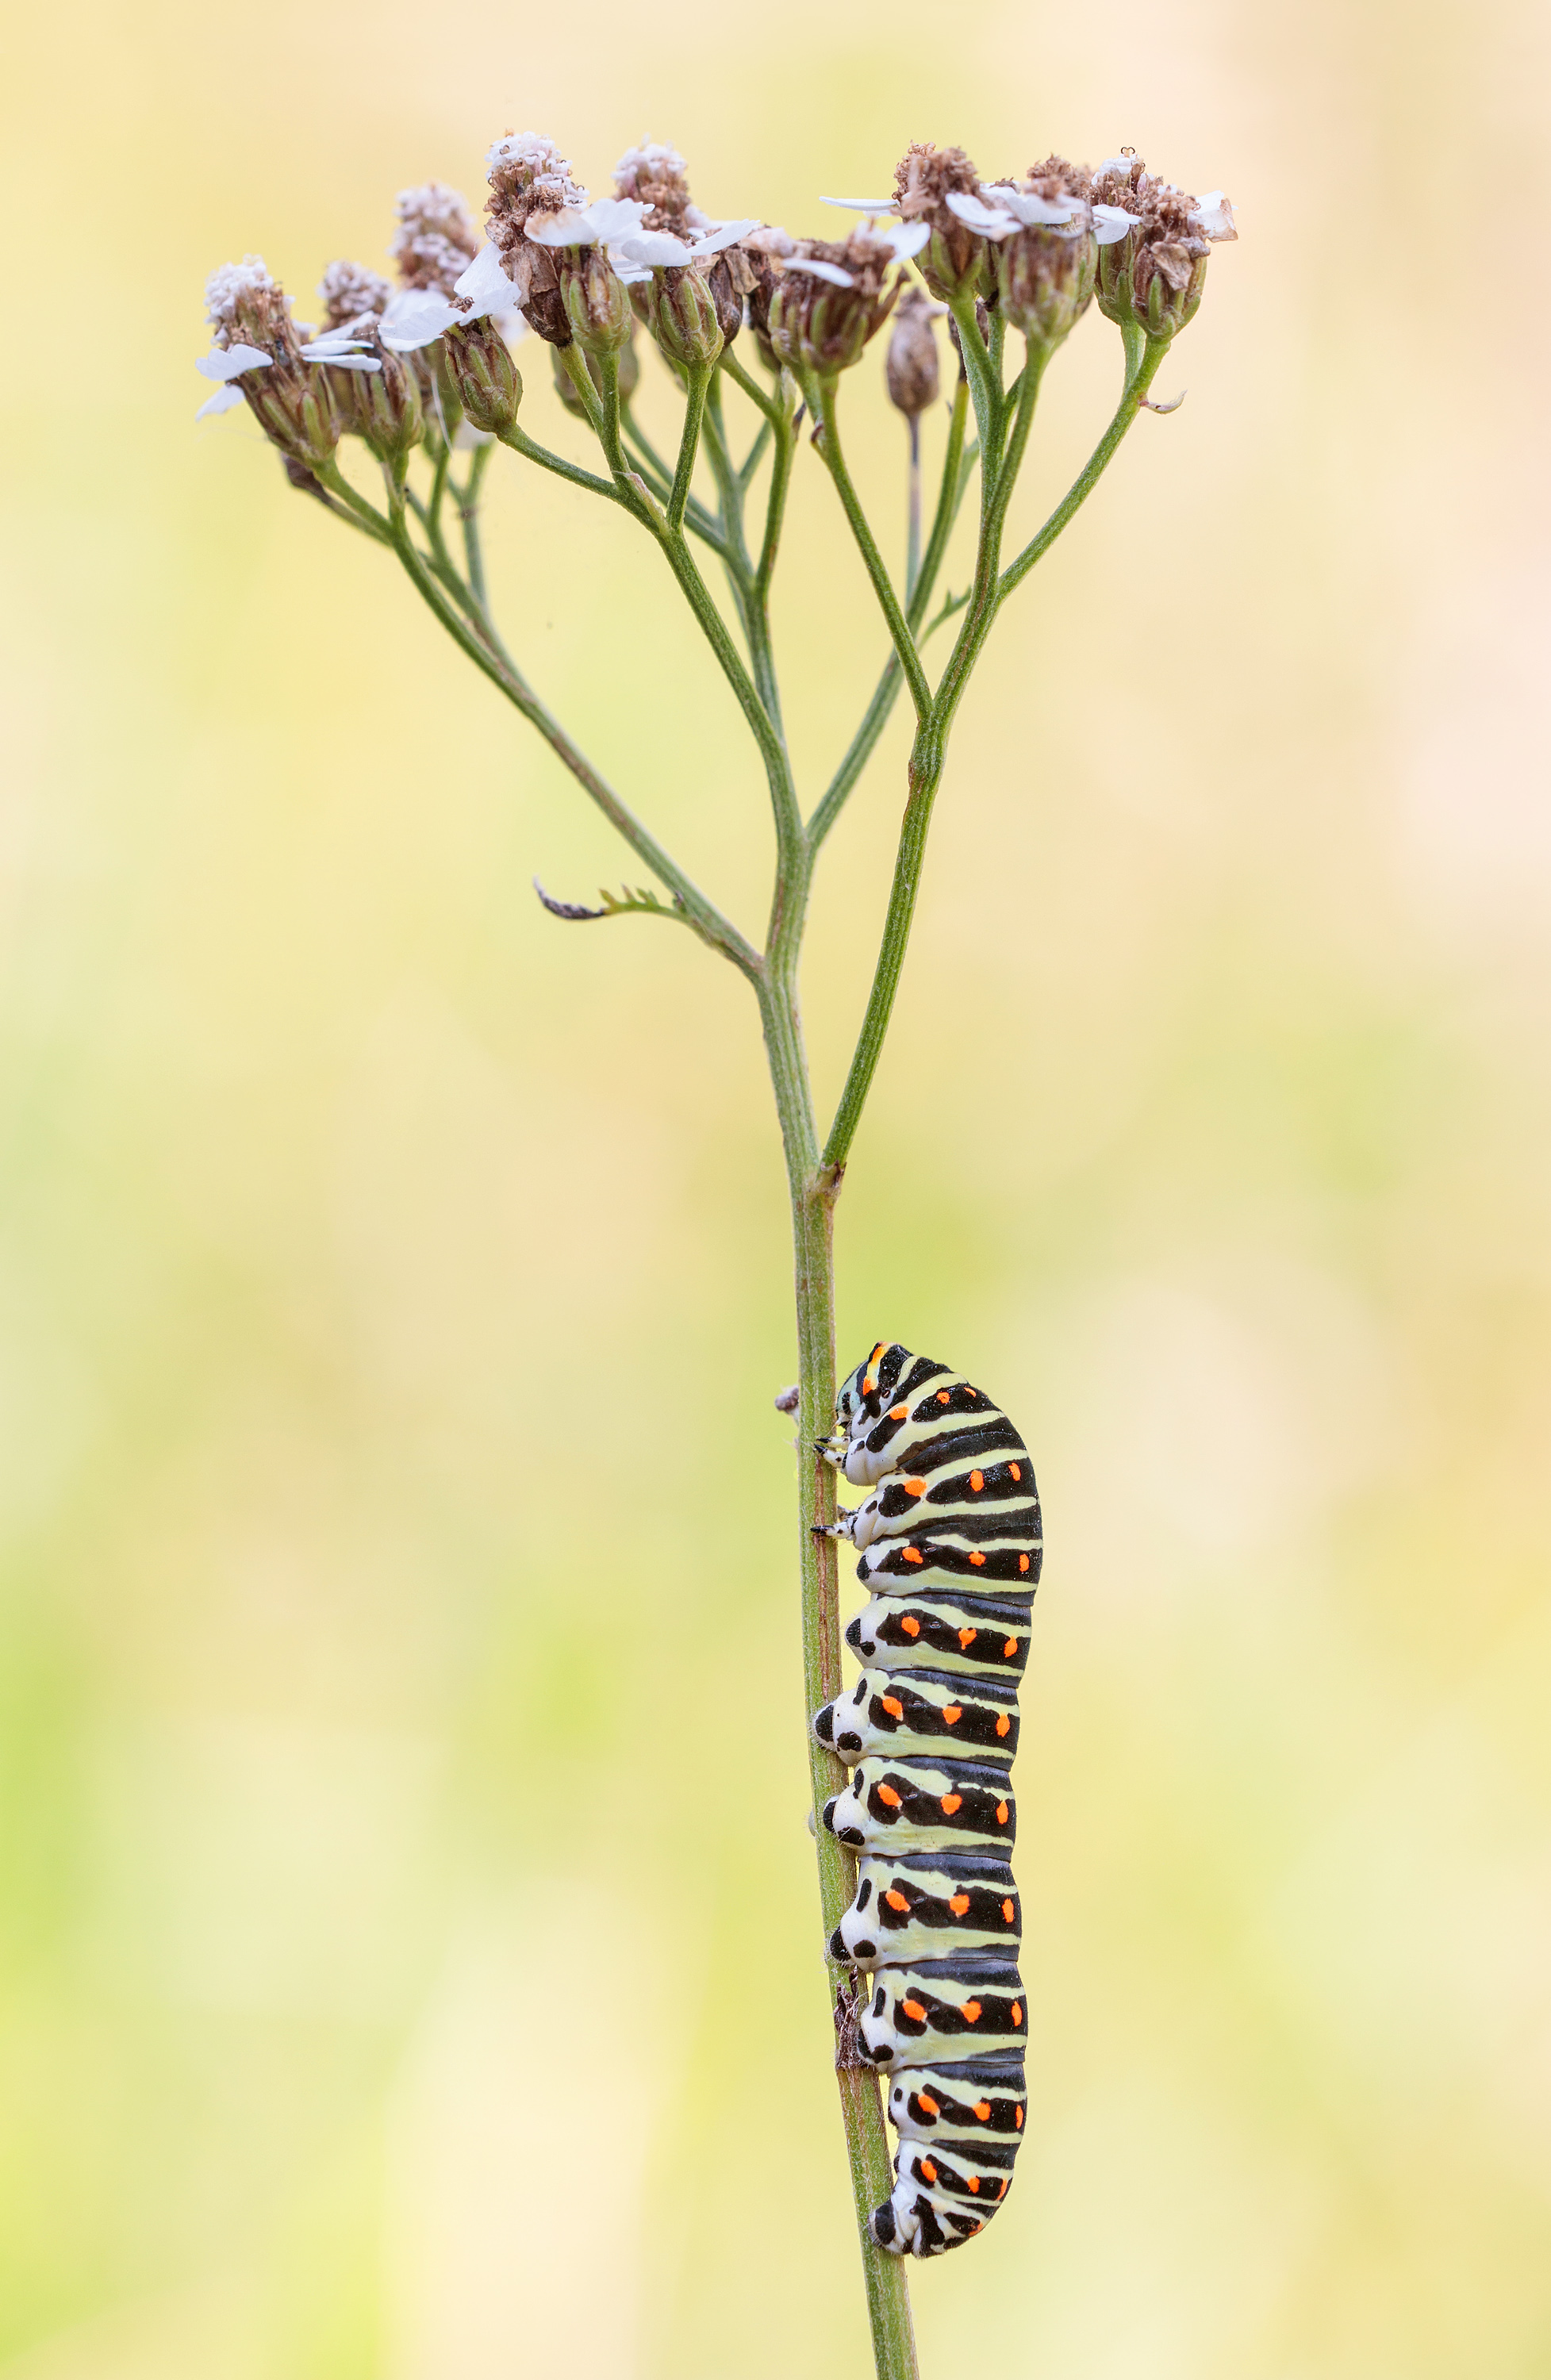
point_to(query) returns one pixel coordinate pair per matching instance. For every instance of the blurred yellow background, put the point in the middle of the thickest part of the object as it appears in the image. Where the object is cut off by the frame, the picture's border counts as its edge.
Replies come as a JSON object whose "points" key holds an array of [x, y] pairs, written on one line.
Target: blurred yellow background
{"points": [[408, 1946]]}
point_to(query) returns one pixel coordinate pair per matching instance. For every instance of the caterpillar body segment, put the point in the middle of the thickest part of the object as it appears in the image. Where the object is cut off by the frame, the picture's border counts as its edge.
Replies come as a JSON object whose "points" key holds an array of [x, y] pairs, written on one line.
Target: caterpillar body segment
{"points": [[974, 1634], [924, 1805], [949, 1539], [975, 2100], [916, 2011], [953, 2192], [932, 1902], [927, 1711]]}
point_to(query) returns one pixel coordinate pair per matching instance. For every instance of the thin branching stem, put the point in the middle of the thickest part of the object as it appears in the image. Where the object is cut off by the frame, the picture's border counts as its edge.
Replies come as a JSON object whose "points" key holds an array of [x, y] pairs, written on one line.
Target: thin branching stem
{"points": [[660, 500]]}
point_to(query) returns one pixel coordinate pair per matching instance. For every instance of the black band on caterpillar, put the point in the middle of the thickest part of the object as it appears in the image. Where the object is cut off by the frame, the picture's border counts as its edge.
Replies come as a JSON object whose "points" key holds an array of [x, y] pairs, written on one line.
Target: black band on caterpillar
{"points": [[949, 1538]]}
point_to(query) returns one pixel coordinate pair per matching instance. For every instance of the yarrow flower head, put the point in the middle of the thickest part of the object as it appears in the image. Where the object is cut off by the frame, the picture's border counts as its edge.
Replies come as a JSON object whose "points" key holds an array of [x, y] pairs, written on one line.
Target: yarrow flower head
{"points": [[658, 177], [352, 294], [1044, 247], [954, 261], [436, 238], [259, 357], [529, 179], [1152, 275], [832, 296]]}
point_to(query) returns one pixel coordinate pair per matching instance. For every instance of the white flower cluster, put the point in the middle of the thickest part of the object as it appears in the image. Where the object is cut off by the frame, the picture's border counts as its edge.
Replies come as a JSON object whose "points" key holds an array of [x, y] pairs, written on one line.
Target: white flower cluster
{"points": [[436, 235], [999, 208], [225, 290]]}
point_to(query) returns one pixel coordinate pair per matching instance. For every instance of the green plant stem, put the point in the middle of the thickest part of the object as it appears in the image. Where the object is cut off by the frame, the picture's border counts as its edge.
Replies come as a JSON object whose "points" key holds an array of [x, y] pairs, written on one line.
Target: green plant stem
{"points": [[989, 591], [913, 509], [822, 397], [469, 513], [813, 1189], [860, 749], [699, 379]]}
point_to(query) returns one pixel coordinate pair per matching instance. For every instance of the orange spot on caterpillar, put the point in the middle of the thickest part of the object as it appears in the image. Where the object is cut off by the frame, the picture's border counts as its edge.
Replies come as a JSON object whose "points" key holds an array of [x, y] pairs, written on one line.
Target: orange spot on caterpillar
{"points": [[928, 2170], [1022, 1561], [966, 1638], [944, 1398], [978, 1561], [1017, 2119], [914, 1554], [977, 1480], [1007, 1911], [898, 1413], [914, 2011], [910, 1625], [896, 1901], [1017, 2011], [983, 2109], [1001, 2186], [1003, 1724], [914, 1487], [1009, 1648], [975, 2181], [887, 1793], [971, 2011], [1002, 1813], [959, 1903], [952, 1713], [894, 1709], [924, 2099], [951, 1801], [1016, 1469]]}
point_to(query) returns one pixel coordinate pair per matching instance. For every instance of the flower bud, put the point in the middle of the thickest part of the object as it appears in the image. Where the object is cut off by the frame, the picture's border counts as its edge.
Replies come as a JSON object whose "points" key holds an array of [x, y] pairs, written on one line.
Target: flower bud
{"points": [[485, 380], [528, 176], [597, 303], [382, 406], [911, 368], [1045, 270], [829, 301], [955, 261], [678, 307]]}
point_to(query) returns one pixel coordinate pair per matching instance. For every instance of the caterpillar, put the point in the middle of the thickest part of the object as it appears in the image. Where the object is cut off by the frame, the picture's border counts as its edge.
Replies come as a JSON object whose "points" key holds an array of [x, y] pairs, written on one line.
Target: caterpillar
{"points": [[950, 1550]]}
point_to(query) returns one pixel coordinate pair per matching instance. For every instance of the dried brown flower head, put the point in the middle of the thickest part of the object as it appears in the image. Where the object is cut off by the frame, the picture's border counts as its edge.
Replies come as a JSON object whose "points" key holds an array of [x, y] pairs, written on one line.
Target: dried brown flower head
{"points": [[831, 297], [658, 177], [352, 293], [954, 260], [528, 176], [1154, 275], [436, 237]]}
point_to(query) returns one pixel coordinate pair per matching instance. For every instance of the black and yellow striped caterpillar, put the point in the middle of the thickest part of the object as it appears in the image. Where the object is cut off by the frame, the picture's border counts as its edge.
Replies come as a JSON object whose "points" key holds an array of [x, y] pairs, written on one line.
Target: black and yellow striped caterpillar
{"points": [[950, 1541]]}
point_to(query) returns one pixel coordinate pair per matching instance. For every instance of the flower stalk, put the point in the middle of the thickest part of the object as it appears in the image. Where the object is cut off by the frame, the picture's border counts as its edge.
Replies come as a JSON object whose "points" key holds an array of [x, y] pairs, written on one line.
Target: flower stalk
{"points": [[1023, 256]]}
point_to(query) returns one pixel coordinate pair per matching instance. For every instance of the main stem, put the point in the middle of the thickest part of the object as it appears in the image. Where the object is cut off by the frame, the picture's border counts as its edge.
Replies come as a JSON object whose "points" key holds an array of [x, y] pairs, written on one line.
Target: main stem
{"points": [[815, 1188]]}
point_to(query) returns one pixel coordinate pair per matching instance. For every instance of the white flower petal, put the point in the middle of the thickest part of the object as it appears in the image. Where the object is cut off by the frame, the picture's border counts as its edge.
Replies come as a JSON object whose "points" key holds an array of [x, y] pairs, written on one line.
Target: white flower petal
{"points": [[1117, 165], [486, 286], [823, 271], [906, 239], [1029, 207], [332, 347], [724, 235], [1110, 223], [1213, 215], [224, 363], [413, 318], [991, 223], [222, 402], [344, 363], [653, 247], [862, 206]]}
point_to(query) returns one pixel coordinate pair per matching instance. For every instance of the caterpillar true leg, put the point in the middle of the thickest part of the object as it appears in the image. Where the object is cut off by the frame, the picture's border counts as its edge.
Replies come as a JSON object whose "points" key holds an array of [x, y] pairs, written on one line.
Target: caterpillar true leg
{"points": [[950, 1542]]}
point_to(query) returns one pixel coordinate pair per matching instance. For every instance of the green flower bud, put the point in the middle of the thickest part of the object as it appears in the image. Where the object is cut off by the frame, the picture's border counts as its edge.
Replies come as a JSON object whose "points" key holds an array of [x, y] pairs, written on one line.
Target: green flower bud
{"points": [[384, 406], [829, 299], [678, 307], [488, 384], [596, 301]]}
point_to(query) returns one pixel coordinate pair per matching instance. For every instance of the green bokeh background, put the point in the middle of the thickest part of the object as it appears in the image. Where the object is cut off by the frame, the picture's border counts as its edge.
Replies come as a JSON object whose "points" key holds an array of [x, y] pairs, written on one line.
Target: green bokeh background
{"points": [[408, 1945]]}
